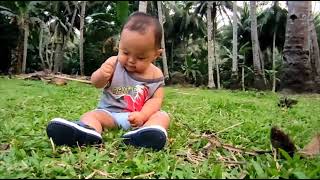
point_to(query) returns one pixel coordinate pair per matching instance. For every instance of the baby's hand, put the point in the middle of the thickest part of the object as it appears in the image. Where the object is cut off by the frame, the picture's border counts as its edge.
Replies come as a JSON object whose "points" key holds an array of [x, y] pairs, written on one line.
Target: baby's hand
{"points": [[137, 119], [107, 69]]}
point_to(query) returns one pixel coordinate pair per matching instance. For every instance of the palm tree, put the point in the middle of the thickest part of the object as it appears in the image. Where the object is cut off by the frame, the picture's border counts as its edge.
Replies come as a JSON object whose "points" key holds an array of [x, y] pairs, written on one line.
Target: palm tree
{"points": [[63, 18], [143, 6], [276, 4], [20, 13], [102, 31], [82, 14], [259, 82], [234, 74], [183, 29], [297, 73], [164, 55], [314, 51], [210, 47]]}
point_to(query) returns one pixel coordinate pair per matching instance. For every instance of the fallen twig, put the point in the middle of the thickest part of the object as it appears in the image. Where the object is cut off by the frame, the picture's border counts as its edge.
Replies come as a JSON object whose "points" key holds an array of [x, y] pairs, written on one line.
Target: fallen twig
{"points": [[91, 175], [72, 79], [214, 140], [232, 162], [141, 176], [100, 173], [45, 76], [229, 127], [53, 147], [240, 150]]}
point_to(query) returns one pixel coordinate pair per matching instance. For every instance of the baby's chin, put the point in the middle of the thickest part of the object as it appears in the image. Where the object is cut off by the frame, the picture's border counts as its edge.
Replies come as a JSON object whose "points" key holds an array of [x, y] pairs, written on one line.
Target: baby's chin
{"points": [[130, 69]]}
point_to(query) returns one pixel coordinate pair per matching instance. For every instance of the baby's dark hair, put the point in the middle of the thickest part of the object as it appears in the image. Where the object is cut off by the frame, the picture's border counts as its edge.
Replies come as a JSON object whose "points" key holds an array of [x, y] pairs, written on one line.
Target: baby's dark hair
{"points": [[140, 22]]}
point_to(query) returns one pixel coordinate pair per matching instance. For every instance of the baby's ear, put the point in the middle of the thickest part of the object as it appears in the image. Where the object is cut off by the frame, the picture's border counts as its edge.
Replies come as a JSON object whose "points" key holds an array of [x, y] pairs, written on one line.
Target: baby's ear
{"points": [[159, 52]]}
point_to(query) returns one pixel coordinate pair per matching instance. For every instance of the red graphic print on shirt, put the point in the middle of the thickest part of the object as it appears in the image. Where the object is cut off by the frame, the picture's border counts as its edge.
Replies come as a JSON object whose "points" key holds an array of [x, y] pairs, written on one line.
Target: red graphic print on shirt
{"points": [[136, 102]]}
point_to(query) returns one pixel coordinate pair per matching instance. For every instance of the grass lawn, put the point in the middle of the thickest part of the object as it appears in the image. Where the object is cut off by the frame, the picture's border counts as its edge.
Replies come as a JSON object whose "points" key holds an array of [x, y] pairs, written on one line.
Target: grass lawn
{"points": [[26, 152]]}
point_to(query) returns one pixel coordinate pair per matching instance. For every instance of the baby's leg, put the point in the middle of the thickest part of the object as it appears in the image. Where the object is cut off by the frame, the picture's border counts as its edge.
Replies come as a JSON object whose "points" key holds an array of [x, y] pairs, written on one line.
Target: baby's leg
{"points": [[160, 118], [86, 131], [98, 120], [153, 134]]}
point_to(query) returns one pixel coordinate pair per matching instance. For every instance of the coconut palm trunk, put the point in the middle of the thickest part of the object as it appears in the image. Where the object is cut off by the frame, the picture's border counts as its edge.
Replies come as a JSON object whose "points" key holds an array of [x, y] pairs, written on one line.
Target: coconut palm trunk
{"points": [[61, 44], [297, 72], [82, 14], [274, 61], [259, 82], [234, 73], [276, 4], [314, 53], [215, 45], [58, 56], [164, 55], [210, 46], [43, 65], [25, 45], [235, 41], [143, 6]]}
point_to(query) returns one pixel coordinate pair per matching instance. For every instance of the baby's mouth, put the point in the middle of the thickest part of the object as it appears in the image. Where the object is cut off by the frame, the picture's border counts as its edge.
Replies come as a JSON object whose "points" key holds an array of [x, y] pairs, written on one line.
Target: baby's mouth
{"points": [[129, 68]]}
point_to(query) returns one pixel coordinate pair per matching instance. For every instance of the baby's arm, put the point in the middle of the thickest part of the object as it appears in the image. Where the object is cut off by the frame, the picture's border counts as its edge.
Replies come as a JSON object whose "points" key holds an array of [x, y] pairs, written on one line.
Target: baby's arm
{"points": [[103, 75], [150, 107], [153, 105]]}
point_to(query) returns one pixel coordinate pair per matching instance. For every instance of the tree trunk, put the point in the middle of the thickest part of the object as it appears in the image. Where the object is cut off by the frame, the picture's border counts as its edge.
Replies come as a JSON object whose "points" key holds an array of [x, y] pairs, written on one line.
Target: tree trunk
{"points": [[258, 74], [276, 4], [53, 44], [242, 77], [215, 59], [43, 65], [61, 45], [274, 61], [314, 53], [58, 58], [234, 73], [297, 72], [210, 46], [164, 55], [25, 45], [17, 54], [83, 9], [143, 6]]}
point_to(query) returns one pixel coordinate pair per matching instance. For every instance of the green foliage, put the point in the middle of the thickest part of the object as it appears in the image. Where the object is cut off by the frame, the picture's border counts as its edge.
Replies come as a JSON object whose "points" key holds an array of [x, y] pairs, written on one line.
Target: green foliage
{"points": [[278, 64], [122, 11], [195, 64], [26, 152], [185, 32], [8, 38]]}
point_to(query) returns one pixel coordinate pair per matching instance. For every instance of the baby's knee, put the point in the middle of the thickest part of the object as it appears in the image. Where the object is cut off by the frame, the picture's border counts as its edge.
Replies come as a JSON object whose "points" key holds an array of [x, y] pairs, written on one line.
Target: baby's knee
{"points": [[93, 115], [90, 115], [165, 115]]}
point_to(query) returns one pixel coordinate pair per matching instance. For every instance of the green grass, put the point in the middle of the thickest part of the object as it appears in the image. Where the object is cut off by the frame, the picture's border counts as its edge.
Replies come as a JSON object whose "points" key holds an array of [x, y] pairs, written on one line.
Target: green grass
{"points": [[26, 152]]}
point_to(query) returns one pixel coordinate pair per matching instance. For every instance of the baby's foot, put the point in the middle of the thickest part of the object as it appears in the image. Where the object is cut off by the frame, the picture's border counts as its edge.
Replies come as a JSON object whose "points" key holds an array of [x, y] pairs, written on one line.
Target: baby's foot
{"points": [[150, 137], [64, 132]]}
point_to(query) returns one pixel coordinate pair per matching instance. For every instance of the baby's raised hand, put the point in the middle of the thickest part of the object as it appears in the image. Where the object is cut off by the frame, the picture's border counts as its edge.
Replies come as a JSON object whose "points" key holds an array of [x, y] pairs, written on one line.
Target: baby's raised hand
{"points": [[107, 69], [137, 119]]}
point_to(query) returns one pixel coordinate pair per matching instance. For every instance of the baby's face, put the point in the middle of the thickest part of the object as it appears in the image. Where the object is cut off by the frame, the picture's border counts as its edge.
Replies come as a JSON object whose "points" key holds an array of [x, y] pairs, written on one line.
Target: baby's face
{"points": [[137, 51]]}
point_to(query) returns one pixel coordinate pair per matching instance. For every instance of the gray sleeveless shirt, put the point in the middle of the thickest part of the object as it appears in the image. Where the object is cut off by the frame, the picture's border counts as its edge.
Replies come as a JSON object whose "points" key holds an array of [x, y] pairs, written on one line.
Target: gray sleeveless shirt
{"points": [[127, 93]]}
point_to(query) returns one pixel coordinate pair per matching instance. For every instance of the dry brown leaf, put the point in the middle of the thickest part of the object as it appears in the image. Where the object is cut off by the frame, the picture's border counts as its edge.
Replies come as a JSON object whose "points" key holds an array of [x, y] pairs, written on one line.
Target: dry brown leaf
{"points": [[143, 176], [313, 148], [58, 81], [4, 146]]}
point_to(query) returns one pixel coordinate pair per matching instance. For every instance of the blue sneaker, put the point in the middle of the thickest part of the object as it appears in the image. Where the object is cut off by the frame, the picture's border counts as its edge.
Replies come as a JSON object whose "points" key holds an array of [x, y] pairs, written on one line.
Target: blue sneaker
{"points": [[68, 133], [154, 137]]}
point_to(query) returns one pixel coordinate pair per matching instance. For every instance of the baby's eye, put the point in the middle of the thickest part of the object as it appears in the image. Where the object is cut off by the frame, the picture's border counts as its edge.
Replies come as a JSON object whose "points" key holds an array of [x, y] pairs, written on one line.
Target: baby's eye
{"points": [[126, 53]]}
